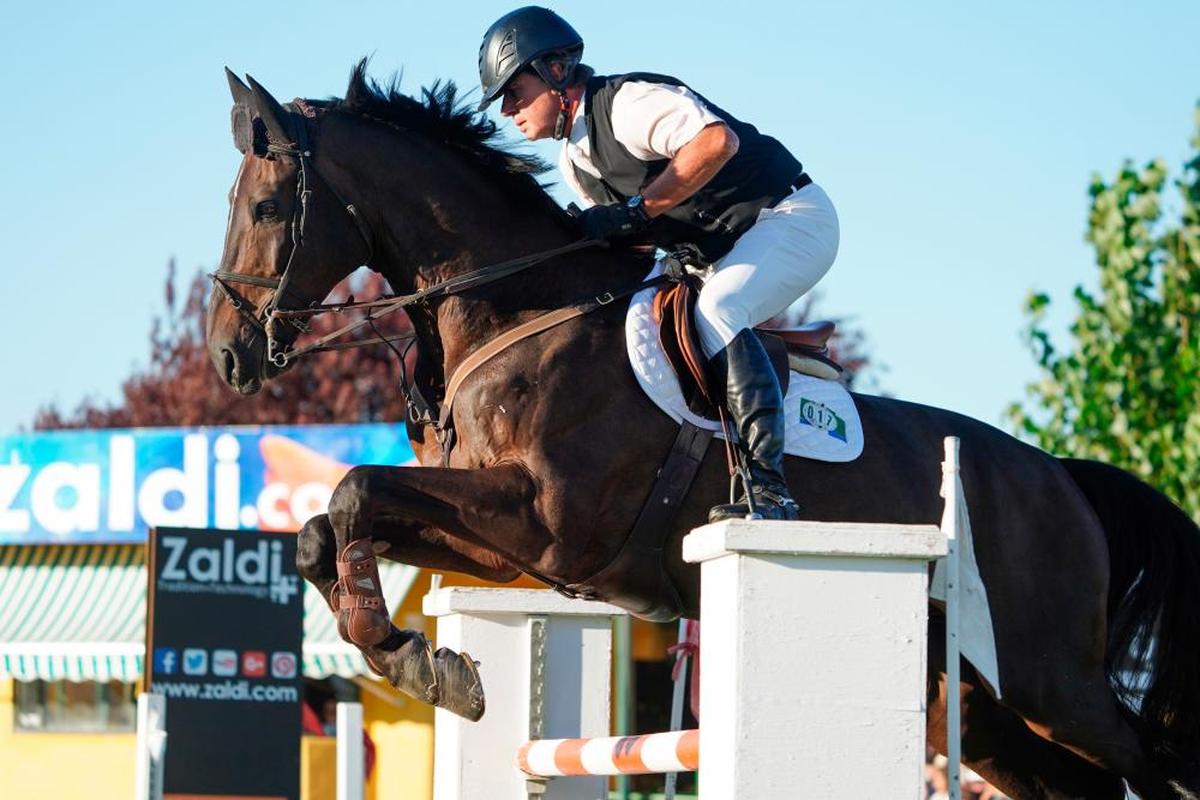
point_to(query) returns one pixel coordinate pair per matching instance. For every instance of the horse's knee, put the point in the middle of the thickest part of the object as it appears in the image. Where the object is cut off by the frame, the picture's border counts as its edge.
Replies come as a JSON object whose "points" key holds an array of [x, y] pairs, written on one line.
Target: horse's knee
{"points": [[316, 550], [348, 503]]}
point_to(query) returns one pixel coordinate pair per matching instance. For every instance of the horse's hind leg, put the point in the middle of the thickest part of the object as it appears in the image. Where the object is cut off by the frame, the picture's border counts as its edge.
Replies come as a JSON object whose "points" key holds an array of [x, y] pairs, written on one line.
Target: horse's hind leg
{"points": [[998, 745], [1085, 716], [405, 658], [1061, 692]]}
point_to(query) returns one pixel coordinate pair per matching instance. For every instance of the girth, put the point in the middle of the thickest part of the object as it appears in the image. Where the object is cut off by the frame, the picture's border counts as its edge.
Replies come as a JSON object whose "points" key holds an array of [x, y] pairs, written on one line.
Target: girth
{"points": [[636, 578], [444, 427]]}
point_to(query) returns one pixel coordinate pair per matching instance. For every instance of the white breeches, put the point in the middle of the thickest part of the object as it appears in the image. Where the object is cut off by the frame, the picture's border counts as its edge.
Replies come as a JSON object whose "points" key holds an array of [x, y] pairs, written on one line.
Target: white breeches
{"points": [[772, 264]]}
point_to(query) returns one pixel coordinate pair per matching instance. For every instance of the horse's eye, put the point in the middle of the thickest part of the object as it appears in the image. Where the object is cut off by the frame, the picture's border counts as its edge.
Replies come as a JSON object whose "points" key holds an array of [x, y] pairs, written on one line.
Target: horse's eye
{"points": [[265, 211]]}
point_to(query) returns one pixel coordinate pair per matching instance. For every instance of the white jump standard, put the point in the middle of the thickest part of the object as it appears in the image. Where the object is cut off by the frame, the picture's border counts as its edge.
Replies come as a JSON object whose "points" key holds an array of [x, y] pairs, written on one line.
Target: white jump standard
{"points": [[800, 620], [546, 664]]}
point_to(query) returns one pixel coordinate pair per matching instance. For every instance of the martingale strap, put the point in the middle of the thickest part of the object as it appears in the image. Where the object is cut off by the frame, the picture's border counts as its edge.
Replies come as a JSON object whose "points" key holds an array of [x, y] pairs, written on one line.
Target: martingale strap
{"points": [[636, 579], [523, 331]]}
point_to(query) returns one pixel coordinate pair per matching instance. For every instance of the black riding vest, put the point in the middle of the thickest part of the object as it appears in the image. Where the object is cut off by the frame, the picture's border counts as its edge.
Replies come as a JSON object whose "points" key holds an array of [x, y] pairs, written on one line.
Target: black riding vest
{"points": [[758, 176]]}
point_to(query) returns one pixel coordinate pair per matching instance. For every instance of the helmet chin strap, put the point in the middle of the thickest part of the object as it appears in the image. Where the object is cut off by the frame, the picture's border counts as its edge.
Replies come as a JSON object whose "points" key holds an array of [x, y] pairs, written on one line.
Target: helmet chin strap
{"points": [[564, 115]]}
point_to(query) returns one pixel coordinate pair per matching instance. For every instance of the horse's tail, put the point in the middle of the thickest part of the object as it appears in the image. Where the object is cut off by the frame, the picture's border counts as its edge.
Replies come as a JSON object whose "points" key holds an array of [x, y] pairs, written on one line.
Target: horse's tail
{"points": [[1152, 659]]}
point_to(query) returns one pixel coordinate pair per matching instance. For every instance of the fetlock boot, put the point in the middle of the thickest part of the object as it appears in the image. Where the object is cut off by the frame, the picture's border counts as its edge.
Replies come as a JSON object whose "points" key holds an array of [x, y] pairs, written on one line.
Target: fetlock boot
{"points": [[755, 404]]}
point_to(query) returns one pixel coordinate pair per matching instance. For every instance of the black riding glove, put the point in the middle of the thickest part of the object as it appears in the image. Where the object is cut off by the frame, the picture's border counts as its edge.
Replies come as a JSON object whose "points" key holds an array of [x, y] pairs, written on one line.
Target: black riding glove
{"points": [[615, 220]]}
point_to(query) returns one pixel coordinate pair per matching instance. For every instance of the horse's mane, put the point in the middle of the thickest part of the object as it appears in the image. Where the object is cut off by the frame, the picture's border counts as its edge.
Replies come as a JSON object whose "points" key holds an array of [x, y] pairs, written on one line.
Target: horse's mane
{"points": [[442, 116]]}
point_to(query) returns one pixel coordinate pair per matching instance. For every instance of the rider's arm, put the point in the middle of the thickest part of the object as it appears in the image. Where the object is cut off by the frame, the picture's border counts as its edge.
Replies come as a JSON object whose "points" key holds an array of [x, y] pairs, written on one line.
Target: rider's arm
{"points": [[657, 121], [693, 166]]}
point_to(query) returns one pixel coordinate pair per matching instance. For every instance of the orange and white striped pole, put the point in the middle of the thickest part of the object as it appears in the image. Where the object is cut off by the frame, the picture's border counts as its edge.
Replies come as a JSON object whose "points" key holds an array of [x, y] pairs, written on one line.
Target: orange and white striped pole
{"points": [[652, 753]]}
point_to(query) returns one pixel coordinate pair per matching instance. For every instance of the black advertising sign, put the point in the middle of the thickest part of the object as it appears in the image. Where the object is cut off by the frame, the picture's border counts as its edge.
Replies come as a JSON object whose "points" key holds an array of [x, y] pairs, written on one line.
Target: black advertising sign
{"points": [[223, 646]]}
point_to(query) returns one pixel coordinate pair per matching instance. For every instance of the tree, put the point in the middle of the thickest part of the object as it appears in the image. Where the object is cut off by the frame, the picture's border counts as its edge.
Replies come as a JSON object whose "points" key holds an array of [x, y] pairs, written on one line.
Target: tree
{"points": [[180, 386], [1128, 389]]}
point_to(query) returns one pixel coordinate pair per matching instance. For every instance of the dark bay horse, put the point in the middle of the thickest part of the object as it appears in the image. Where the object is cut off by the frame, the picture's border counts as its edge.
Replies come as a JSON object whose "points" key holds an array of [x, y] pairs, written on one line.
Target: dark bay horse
{"points": [[557, 448]]}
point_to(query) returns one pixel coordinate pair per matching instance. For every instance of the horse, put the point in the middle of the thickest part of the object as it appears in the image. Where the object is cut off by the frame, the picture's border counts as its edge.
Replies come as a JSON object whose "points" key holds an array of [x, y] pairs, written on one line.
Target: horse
{"points": [[1090, 573]]}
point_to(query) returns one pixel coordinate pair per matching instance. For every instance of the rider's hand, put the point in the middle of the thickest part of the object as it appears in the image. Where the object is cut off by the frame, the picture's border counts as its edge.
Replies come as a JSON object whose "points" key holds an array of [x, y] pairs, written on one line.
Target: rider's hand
{"points": [[615, 220]]}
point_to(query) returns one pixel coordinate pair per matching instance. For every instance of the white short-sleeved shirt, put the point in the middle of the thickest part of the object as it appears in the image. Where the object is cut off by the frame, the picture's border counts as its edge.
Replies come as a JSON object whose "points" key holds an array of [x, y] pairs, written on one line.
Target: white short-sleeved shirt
{"points": [[651, 120]]}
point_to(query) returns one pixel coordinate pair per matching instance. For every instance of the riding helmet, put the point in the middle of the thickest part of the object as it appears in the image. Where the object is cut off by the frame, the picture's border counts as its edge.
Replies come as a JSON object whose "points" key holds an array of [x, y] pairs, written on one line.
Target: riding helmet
{"points": [[521, 39]]}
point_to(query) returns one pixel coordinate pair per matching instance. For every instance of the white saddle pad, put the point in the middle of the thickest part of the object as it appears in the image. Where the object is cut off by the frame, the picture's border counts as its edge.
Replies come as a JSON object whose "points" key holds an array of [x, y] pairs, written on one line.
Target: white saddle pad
{"points": [[822, 422]]}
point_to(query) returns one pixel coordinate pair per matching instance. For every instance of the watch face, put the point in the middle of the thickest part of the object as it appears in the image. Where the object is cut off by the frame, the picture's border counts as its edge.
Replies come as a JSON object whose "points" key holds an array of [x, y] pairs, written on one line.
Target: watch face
{"points": [[634, 201]]}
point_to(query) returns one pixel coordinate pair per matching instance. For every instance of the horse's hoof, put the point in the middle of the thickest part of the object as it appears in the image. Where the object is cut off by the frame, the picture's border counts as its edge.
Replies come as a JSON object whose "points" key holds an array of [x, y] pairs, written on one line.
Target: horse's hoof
{"points": [[405, 660], [459, 688]]}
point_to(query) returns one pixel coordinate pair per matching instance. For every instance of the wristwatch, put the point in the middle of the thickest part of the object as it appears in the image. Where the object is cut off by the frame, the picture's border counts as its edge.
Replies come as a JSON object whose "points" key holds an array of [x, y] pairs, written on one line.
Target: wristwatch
{"points": [[637, 204]]}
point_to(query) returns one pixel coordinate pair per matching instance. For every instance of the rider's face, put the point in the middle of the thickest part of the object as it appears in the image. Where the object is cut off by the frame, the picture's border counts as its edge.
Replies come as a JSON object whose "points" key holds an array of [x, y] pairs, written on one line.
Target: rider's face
{"points": [[532, 104]]}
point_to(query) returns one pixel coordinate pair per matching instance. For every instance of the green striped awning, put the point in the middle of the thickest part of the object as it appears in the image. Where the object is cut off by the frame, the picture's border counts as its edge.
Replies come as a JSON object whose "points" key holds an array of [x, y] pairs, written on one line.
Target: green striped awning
{"points": [[72, 613], [78, 613]]}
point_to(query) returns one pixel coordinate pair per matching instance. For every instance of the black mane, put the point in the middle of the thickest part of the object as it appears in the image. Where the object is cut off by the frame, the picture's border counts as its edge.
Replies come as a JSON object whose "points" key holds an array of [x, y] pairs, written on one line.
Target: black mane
{"points": [[441, 116]]}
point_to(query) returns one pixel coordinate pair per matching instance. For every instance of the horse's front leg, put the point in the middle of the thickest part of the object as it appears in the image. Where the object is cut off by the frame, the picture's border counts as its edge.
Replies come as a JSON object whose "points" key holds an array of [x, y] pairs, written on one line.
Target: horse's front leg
{"points": [[433, 518]]}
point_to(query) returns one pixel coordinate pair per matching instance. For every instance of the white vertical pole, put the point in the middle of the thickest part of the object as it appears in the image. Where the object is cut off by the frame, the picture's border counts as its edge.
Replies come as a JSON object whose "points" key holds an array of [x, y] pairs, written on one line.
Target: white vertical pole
{"points": [[950, 520], [151, 746], [350, 763], [677, 700]]}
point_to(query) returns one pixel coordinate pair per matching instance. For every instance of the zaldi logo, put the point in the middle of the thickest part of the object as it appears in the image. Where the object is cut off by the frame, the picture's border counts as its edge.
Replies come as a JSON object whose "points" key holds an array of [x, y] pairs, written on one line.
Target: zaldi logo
{"points": [[113, 486], [256, 571], [823, 418]]}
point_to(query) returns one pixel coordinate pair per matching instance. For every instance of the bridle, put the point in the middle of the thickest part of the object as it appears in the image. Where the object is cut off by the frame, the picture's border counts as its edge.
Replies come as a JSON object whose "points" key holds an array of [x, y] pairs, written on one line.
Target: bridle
{"points": [[266, 317]]}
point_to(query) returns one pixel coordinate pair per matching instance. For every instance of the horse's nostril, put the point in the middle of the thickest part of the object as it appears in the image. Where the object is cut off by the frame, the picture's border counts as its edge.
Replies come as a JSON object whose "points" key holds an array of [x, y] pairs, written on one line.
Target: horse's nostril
{"points": [[230, 366]]}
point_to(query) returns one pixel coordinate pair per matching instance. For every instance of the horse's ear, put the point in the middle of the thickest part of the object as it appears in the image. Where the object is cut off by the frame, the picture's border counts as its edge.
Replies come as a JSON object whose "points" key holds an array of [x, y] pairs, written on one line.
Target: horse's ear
{"points": [[272, 114], [239, 90], [242, 115]]}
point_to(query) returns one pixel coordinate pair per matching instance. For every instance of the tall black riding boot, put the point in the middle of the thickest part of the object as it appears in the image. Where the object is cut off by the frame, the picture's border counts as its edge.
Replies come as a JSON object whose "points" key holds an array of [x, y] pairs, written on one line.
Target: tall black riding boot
{"points": [[755, 403]]}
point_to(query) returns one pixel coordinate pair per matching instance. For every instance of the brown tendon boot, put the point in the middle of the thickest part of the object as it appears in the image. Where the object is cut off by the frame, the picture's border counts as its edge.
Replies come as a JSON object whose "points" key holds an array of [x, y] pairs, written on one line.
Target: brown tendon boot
{"points": [[362, 615]]}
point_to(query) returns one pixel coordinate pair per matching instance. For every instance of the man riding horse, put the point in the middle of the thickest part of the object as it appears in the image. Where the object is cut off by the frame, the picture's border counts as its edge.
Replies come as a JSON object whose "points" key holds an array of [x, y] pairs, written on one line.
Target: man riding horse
{"points": [[1090, 575], [656, 159]]}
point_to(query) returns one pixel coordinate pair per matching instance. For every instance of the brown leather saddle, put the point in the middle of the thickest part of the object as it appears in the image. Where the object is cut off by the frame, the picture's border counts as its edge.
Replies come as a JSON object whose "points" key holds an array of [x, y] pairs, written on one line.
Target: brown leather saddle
{"points": [[804, 349], [636, 578]]}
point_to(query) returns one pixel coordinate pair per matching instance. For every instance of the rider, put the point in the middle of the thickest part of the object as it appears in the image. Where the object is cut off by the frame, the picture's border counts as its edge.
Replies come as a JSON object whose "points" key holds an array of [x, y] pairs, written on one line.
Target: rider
{"points": [[655, 157]]}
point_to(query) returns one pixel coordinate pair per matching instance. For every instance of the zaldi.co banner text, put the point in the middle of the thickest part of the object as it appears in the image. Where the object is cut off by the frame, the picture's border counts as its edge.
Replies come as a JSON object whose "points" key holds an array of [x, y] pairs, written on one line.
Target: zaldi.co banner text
{"points": [[113, 485]]}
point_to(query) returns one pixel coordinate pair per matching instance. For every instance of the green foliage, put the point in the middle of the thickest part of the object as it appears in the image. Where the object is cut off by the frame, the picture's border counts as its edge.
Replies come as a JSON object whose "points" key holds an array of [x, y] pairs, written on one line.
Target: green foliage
{"points": [[1128, 390]]}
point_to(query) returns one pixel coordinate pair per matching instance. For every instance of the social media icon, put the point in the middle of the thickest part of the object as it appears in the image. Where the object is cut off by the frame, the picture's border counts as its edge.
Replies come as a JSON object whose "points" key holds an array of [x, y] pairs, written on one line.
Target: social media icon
{"points": [[166, 660], [283, 665], [254, 664], [195, 661], [225, 663]]}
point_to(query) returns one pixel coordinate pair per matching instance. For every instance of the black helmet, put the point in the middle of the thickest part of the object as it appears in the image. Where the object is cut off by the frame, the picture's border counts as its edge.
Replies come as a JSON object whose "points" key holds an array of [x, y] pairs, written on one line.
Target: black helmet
{"points": [[521, 39]]}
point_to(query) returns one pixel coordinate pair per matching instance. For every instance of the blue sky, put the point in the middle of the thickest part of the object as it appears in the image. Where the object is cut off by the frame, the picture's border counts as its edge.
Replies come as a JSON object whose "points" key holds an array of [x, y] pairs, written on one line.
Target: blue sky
{"points": [[957, 140]]}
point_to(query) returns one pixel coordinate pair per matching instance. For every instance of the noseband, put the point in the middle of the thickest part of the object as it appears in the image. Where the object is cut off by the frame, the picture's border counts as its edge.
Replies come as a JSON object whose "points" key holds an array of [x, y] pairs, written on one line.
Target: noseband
{"points": [[266, 317]]}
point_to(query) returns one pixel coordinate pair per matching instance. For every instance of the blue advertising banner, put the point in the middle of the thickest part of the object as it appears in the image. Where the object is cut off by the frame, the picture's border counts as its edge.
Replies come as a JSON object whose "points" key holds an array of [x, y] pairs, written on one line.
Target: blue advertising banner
{"points": [[84, 487]]}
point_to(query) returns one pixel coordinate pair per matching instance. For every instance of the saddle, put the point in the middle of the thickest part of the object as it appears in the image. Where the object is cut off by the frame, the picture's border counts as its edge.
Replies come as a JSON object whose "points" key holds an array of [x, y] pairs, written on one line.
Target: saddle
{"points": [[804, 349]]}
